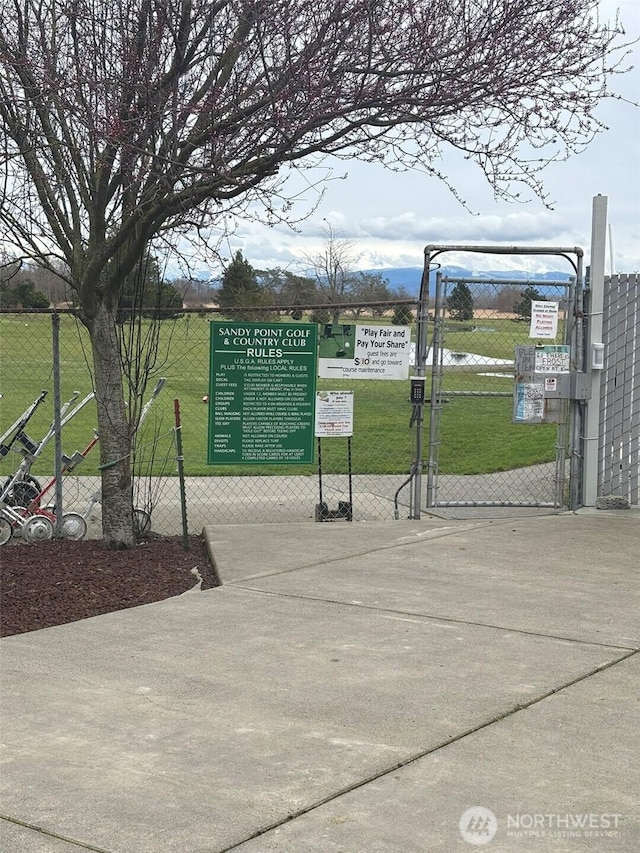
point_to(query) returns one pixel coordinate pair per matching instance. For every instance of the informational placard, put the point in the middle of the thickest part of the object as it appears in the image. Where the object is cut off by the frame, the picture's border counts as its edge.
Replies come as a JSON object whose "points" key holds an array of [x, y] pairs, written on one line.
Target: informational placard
{"points": [[544, 319], [364, 352], [541, 385], [529, 402], [262, 384], [334, 413], [552, 359]]}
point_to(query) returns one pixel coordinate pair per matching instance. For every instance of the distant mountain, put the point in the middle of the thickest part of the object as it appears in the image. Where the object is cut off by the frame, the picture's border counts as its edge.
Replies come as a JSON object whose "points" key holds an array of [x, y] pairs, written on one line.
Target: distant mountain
{"points": [[410, 277]]}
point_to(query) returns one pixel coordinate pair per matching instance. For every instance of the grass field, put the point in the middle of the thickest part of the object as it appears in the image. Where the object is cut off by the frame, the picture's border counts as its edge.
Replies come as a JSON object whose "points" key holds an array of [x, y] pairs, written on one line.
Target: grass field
{"points": [[477, 435]]}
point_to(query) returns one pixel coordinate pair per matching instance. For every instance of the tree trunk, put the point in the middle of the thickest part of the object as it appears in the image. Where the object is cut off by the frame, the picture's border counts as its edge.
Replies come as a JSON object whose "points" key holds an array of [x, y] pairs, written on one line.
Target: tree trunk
{"points": [[114, 431]]}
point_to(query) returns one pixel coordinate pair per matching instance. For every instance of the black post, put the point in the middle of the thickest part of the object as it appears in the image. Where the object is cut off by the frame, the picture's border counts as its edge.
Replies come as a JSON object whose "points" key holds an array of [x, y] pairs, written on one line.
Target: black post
{"points": [[350, 518], [320, 469], [322, 510], [180, 461]]}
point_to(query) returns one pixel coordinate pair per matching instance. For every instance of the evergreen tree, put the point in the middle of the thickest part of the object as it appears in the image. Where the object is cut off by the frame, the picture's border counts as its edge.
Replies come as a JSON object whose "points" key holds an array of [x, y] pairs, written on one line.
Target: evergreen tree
{"points": [[522, 308], [460, 303], [21, 293], [402, 315], [146, 294], [240, 290], [283, 287]]}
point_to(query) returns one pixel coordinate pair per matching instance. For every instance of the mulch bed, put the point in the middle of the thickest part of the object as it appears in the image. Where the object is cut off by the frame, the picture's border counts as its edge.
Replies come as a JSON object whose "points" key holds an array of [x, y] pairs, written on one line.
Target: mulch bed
{"points": [[51, 583]]}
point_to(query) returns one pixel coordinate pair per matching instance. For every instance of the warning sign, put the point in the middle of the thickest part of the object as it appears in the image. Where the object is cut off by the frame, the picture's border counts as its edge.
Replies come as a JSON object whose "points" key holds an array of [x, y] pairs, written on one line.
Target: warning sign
{"points": [[544, 319]]}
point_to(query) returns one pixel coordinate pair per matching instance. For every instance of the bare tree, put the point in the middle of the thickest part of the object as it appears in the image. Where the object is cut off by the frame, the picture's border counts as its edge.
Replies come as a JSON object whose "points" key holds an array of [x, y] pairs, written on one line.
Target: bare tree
{"points": [[370, 287], [195, 293], [46, 281], [127, 123], [332, 269]]}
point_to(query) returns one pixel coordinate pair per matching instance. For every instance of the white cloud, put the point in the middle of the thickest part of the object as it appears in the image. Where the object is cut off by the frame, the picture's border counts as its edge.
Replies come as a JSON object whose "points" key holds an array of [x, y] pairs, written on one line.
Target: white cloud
{"points": [[391, 216], [508, 228]]}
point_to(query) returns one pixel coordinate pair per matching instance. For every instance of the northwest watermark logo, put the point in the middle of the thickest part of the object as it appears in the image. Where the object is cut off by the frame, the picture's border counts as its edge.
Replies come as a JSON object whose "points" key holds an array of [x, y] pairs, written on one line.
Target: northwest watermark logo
{"points": [[563, 825], [478, 825]]}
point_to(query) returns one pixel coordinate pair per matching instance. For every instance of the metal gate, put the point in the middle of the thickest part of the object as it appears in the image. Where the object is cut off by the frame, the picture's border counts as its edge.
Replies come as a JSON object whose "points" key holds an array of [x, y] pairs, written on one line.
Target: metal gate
{"points": [[468, 349]]}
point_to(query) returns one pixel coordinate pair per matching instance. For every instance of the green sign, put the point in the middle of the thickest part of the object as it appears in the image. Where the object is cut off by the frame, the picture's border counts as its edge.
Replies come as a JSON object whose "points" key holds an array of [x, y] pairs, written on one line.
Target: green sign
{"points": [[262, 383]]}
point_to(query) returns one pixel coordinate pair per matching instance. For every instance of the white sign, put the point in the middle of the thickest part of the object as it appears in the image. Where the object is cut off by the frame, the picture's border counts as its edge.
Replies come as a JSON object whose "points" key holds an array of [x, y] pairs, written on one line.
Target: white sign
{"points": [[334, 413], [544, 319], [552, 359], [364, 352], [529, 401]]}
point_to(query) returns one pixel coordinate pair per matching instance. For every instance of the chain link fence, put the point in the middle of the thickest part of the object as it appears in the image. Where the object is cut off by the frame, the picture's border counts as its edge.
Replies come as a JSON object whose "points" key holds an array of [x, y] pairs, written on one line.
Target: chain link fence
{"points": [[380, 452], [477, 455], [480, 454]]}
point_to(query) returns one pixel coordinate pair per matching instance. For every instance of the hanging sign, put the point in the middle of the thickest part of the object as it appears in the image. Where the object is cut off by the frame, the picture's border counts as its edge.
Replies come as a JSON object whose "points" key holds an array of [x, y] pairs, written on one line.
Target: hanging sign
{"points": [[262, 383], [552, 359], [334, 413], [544, 319], [529, 402], [364, 352]]}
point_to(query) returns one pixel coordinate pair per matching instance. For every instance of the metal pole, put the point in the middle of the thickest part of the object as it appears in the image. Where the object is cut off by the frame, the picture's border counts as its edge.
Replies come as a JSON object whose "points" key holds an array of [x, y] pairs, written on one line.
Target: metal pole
{"points": [[57, 422], [350, 478], [562, 433], [436, 392], [594, 336], [415, 496], [180, 461], [320, 471], [577, 406]]}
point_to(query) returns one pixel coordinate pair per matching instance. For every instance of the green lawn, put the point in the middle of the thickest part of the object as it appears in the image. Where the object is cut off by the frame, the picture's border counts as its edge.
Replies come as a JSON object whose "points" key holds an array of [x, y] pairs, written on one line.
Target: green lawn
{"points": [[477, 435], [493, 337]]}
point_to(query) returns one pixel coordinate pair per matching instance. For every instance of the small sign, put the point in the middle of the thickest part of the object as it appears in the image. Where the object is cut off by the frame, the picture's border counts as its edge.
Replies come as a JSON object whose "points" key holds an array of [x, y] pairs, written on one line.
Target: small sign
{"points": [[529, 402], [364, 352], [550, 383], [334, 413], [552, 359], [544, 319]]}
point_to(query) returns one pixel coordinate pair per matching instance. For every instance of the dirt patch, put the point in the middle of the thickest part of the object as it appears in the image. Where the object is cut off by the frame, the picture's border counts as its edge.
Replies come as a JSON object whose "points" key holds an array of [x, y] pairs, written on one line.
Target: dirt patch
{"points": [[59, 581]]}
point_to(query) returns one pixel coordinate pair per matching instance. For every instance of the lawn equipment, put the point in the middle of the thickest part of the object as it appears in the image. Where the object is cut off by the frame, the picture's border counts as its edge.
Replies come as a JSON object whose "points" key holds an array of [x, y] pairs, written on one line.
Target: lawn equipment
{"points": [[17, 433], [22, 490], [141, 518], [73, 525], [18, 426]]}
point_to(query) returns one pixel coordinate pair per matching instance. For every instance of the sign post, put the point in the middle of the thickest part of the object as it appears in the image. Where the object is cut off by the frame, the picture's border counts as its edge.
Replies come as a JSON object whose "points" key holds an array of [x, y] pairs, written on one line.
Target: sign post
{"points": [[334, 417], [262, 383]]}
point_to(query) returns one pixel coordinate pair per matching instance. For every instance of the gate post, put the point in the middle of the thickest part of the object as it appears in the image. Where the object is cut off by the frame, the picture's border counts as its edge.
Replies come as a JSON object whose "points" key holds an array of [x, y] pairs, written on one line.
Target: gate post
{"points": [[422, 345], [594, 336]]}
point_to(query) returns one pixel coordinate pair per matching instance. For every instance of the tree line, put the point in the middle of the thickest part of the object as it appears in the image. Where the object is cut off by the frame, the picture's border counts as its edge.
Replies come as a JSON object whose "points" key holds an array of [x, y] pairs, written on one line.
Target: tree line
{"points": [[246, 292], [461, 305]]}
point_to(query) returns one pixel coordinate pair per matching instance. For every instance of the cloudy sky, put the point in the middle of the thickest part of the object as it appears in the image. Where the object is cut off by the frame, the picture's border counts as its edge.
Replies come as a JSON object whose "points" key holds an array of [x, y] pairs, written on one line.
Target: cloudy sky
{"points": [[390, 217]]}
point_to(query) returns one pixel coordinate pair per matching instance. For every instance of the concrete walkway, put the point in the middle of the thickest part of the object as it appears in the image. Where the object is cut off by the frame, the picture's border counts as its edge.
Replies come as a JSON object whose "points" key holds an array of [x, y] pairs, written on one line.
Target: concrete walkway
{"points": [[400, 687]]}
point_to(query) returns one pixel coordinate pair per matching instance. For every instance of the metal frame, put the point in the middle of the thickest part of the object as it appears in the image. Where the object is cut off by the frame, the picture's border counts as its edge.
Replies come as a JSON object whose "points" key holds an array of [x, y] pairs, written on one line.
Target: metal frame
{"points": [[574, 334]]}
